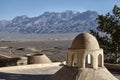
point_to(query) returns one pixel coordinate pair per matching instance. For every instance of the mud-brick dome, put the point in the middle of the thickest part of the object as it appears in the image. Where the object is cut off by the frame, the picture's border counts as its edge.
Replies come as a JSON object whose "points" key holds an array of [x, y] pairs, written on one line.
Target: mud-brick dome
{"points": [[85, 61], [38, 59], [85, 52], [85, 41]]}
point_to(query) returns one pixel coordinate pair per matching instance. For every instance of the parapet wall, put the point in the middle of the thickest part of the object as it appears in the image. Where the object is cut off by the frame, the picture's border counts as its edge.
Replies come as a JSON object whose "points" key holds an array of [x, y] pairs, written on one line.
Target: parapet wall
{"points": [[112, 66], [32, 66]]}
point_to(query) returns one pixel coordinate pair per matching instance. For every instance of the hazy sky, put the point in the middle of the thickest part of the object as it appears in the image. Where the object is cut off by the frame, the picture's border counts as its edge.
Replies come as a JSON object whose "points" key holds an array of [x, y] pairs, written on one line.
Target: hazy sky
{"points": [[11, 8]]}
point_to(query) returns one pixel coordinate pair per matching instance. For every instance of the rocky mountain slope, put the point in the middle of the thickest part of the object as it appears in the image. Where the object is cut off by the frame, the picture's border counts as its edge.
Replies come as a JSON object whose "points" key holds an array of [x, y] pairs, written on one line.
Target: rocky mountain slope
{"points": [[51, 22]]}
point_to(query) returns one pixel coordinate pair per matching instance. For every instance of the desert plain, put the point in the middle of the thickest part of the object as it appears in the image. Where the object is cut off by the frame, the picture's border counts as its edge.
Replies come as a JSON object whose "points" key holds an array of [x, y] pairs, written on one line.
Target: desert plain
{"points": [[55, 47]]}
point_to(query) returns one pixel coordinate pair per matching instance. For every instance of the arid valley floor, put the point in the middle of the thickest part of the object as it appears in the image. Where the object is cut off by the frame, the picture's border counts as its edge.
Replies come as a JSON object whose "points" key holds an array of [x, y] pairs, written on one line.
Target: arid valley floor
{"points": [[56, 50]]}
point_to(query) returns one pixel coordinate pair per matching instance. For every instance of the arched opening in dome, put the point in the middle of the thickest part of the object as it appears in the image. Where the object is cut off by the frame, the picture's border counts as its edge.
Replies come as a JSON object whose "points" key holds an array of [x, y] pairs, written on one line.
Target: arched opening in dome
{"points": [[88, 61], [74, 60], [99, 60]]}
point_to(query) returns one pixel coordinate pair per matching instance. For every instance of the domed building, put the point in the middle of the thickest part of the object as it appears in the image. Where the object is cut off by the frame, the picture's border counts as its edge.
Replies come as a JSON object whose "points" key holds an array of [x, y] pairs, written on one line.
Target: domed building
{"points": [[85, 61], [38, 59]]}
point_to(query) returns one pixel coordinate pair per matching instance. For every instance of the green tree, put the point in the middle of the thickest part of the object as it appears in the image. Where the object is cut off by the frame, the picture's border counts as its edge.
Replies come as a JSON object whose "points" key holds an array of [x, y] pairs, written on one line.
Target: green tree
{"points": [[109, 27]]}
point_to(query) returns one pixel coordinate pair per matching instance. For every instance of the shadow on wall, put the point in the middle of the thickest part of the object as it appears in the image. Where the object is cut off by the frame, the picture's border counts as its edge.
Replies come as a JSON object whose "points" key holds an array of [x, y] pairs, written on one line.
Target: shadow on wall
{"points": [[12, 76], [8, 62], [13, 61]]}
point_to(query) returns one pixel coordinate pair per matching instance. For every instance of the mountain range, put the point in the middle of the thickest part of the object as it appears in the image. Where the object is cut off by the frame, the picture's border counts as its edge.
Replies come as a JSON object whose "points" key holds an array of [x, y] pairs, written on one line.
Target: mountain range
{"points": [[51, 22]]}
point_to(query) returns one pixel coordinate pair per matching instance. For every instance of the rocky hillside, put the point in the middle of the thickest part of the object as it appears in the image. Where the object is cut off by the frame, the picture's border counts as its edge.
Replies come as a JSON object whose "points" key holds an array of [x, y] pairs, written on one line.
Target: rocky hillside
{"points": [[51, 22]]}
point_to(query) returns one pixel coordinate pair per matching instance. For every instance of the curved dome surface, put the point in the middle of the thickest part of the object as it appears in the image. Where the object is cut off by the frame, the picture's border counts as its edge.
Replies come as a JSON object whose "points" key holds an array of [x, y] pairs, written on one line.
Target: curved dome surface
{"points": [[38, 58], [85, 41]]}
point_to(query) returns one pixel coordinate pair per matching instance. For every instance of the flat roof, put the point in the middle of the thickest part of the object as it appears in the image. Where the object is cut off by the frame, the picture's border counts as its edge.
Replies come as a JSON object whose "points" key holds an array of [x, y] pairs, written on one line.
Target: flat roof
{"points": [[29, 72]]}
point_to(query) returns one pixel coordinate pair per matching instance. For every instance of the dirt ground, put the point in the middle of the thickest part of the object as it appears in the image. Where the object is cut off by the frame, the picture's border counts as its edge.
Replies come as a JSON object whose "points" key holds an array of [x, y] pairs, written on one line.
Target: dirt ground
{"points": [[55, 50]]}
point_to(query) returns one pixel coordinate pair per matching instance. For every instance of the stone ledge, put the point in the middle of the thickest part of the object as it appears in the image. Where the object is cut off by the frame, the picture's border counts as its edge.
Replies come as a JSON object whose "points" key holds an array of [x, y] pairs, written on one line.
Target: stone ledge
{"points": [[32, 66], [112, 66]]}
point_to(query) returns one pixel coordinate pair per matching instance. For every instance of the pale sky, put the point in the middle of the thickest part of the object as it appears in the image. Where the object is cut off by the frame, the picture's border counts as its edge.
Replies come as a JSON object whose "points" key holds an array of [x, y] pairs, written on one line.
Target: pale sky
{"points": [[11, 8]]}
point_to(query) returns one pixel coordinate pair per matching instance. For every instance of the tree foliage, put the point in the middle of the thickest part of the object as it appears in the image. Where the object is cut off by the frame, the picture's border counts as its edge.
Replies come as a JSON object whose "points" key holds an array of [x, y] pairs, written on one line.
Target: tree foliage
{"points": [[109, 27]]}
